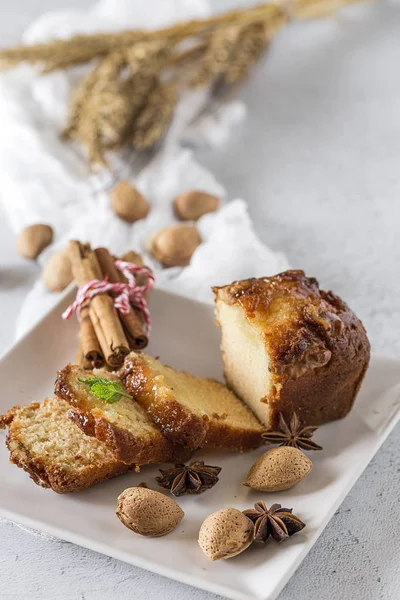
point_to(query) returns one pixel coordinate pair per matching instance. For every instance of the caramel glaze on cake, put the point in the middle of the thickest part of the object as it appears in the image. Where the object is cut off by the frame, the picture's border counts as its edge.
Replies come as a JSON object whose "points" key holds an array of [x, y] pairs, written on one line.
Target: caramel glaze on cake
{"points": [[190, 411], [124, 426], [287, 345]]}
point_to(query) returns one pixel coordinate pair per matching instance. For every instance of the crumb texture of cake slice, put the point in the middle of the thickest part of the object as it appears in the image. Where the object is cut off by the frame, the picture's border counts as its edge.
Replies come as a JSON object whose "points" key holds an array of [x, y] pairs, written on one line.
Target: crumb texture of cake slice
{"points": [[123, 426], [189, 410], [44, 441], [289, 346]]}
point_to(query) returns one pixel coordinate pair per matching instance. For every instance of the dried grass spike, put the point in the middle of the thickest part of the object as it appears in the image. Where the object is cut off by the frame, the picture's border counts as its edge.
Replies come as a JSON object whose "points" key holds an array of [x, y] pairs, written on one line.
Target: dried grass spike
{"points": [[97, 107], [217, 56], [252, 41], [110, 67], [114, 114], [91, 139], [155, 117], [91, 86], [62, 54], [79, 97], [137, 91], [146, 62], [148, 56]]}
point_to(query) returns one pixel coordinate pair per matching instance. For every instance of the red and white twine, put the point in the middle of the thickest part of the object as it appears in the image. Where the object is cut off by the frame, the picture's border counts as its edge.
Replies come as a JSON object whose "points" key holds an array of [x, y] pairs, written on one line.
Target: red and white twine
{"points": [[128, 294]]}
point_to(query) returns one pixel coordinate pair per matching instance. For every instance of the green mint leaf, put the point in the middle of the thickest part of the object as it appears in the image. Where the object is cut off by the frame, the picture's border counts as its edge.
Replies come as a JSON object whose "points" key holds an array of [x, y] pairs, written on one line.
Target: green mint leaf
{"points": [[89, 381], [108, 390]]}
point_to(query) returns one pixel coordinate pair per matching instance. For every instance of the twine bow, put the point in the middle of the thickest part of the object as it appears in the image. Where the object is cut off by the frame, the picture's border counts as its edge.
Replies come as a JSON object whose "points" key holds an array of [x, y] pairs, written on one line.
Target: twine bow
{"points": [[127, 293]]}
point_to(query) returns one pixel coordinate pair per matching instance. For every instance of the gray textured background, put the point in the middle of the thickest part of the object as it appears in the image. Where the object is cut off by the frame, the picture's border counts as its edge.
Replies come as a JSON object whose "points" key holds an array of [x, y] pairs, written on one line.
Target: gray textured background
{"points": [[318, 161]]}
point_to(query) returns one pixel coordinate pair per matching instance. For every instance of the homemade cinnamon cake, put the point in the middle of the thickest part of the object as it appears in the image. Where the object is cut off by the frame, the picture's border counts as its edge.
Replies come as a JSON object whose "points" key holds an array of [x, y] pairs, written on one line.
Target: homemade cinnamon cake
{"points": [[43, 441], [188, 410], [123, 426], [289, 346]]}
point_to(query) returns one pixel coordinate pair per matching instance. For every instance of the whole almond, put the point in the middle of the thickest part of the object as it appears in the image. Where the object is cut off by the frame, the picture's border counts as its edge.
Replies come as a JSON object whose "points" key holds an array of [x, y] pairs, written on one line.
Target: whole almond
{"points": [[147, 512], [278, 469], [128, 203], [174, 246], [192, 205], [225, 534], [57, 273], [133, 257], [33, 240]]}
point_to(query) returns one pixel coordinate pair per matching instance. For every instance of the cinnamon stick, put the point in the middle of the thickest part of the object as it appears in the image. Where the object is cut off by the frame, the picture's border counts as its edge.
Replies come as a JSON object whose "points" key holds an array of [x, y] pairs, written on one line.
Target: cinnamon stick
{"points": [[82, 361], [79, 356], [91, 356], [132, 322], [135, 258], [102, 314]]}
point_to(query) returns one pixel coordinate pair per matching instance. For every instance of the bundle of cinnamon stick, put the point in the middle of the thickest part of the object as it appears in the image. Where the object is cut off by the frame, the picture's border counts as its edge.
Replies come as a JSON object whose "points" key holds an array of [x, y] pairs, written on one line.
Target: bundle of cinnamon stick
{"points": [[106, 336]]}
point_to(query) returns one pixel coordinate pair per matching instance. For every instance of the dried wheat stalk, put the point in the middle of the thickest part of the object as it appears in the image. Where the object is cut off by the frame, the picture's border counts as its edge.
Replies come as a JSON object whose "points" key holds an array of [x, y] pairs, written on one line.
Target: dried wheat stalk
{"points": [[155, 117], [130, 95]]}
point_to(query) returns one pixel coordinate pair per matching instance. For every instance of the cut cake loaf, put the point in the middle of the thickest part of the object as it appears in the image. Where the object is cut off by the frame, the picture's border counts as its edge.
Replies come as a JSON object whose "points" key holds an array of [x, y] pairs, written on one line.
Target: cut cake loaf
{"points": [[190, 411], [43, 441], [123, 426], [289, 346]]}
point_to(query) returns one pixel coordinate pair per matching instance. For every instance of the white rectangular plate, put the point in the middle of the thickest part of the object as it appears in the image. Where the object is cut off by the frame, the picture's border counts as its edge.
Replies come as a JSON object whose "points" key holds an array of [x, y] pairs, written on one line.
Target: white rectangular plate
{"points": [[185, 336]]}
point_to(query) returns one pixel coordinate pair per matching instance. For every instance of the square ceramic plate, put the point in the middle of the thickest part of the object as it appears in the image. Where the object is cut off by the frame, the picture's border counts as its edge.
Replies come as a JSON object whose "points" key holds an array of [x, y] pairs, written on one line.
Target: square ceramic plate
{"points": [[185, 336]]}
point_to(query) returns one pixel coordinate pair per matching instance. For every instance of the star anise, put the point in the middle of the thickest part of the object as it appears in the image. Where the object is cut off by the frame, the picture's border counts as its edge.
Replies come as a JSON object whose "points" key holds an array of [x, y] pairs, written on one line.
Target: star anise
{"points": [[189, 479], [292, 434], [277, 522]]}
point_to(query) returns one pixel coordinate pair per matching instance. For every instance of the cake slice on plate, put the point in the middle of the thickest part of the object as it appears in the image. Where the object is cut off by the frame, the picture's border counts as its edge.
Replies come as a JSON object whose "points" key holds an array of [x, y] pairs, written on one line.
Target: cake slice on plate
{"points": [[289, 346], [190, 411], [44, 441], [122, 425]]}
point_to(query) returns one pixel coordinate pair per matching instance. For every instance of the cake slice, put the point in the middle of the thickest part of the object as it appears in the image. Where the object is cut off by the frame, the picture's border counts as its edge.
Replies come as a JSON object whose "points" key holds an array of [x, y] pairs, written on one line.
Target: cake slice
{"points": [[289, 346], [123, 426], [43, 441], [188, 410]]}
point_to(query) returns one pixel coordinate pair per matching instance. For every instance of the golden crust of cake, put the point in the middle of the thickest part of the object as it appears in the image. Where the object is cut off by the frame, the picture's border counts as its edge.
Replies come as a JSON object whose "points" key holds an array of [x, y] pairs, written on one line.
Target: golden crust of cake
{"points": [[124, 427], [318, 350], [190, 411], [43, 441]]}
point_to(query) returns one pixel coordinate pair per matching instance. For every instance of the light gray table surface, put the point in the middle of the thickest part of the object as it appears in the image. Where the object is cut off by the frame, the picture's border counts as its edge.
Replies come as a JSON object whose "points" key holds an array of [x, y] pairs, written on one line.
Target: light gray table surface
{"points": [[335, 214]]}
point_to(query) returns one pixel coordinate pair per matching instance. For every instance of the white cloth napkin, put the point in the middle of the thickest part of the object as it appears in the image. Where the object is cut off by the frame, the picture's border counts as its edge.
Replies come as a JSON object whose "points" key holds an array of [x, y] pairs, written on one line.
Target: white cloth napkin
{"points": [[45, 180]]}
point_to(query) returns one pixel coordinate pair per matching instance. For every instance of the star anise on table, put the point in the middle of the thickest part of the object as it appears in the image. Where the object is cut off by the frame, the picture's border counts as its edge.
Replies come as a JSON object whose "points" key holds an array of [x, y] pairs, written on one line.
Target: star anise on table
{"points": [[277, 522], [291, 434], [189, 479]]}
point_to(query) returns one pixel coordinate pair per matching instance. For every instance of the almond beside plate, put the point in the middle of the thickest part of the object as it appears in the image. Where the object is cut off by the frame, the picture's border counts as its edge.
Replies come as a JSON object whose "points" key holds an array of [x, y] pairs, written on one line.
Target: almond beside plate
{"points": [[188, 339]]}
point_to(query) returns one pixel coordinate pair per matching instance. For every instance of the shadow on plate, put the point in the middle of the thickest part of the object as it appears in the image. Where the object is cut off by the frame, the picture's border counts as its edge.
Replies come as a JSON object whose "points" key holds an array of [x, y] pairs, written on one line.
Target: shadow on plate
{"points": [[11, 278]]}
